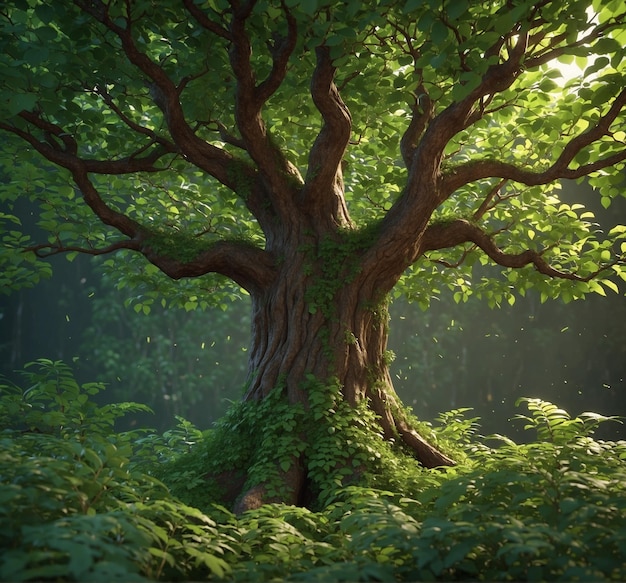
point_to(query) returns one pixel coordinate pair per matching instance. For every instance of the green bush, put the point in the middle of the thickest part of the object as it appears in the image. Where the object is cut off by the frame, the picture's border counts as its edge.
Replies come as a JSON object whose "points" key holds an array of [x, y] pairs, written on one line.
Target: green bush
{"points": [[79, 501], [74, 506]]}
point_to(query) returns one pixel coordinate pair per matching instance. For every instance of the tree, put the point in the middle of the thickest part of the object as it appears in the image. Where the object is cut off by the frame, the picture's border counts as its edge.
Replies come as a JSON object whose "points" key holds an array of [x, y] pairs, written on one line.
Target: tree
{"points": [[321, 157]]}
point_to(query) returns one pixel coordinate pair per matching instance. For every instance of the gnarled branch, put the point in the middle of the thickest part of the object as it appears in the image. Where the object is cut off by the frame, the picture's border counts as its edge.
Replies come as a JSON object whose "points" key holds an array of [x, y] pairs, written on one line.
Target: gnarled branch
{"points": [[61, 148], [402, 227], [276, 170], [281, 51], [166, 95], [250, 267], [324, 171], [480, 169], [460, 115], [457, 232]]}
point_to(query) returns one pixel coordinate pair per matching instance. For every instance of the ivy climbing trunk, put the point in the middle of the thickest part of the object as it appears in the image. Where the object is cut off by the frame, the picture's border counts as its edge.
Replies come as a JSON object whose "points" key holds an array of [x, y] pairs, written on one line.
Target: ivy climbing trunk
{"points": [[324, 320]]}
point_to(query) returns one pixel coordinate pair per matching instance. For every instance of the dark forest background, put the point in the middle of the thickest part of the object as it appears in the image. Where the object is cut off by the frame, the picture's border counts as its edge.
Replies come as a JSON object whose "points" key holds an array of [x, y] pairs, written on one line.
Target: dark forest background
{"points": [[193, 364]]}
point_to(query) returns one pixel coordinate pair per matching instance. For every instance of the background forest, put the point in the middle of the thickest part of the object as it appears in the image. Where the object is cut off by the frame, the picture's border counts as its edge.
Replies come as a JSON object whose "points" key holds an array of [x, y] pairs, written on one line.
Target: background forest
{"points": [[192, 362]]}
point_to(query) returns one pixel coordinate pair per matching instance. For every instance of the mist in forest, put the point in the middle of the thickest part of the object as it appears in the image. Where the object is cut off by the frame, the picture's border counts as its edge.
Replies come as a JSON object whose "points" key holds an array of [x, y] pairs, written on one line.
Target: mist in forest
{"points": [[193, 364], [447, 357]]}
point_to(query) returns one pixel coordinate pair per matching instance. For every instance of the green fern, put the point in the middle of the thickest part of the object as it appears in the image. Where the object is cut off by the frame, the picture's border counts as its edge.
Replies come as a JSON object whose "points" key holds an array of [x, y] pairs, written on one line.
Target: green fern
{"points": [[556, 425]]}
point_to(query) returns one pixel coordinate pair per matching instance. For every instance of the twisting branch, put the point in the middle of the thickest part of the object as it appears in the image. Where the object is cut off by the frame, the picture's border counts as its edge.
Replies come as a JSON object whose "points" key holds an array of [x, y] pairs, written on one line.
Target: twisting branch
{"points": [[445, 235], [215, 161], [460, 115], [60, 147], [423, 109], [241, 51], [273, 166], [250, 267], [104, 212], [407, 219], [247, 265], [204, 21], [480, 169], [166, 95], [324, 170], [56, 137], [280, 50]]}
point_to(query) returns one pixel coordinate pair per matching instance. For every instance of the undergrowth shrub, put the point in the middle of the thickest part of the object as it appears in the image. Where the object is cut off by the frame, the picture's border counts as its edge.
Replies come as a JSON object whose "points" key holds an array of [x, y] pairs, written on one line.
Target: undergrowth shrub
{"points": [[342, 445], [79, 501], [74, 506]]}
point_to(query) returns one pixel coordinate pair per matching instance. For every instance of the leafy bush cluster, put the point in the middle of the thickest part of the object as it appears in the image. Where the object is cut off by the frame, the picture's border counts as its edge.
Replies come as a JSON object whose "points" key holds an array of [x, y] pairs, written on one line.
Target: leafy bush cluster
{"points": [[79, 501], [339, 444]]}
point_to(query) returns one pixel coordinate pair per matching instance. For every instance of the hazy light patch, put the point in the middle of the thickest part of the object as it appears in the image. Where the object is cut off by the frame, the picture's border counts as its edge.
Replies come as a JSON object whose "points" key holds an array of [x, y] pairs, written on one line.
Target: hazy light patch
{"points": [[575, 68], [569, 71]]}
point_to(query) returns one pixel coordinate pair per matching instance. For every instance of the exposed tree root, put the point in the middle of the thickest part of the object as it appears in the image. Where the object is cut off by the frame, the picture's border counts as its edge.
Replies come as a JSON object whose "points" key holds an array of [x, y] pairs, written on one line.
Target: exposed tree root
{"points": [[428, 455]]}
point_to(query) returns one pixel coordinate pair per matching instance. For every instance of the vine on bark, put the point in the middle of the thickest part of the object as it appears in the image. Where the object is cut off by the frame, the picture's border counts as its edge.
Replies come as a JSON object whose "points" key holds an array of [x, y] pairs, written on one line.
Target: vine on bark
{"points": [[297, 455]]}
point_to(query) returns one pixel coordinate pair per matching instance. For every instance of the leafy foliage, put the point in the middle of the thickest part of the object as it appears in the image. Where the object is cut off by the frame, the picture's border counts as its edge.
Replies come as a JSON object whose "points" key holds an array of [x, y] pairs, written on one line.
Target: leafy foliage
{"points": [[74, 505], [233, 145], [168, 359], [83, 80], [338, 444], [78, 504]]}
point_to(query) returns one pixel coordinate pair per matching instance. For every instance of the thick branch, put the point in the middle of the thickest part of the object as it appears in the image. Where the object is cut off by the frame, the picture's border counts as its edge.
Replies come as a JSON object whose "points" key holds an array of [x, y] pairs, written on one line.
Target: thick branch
{"points": [[445, 235], [105, 213], [275, 169], [458, 116], [481, 169], [250, 267], [324, 171], [401, 229], [166, 95], [60, 148]]}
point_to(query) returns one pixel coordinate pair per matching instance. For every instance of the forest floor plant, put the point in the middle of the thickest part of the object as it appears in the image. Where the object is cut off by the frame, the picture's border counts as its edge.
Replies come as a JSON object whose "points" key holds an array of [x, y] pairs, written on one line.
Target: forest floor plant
{"points": [[80, 501]]}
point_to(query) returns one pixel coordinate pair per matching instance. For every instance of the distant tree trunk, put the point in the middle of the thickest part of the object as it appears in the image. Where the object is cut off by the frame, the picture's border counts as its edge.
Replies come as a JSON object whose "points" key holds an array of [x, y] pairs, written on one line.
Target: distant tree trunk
{"points": [[309, 324]]}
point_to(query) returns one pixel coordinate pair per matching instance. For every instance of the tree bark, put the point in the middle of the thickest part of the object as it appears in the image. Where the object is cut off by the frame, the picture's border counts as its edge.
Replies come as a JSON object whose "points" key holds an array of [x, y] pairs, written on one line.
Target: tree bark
{"points": [[328, 323]]}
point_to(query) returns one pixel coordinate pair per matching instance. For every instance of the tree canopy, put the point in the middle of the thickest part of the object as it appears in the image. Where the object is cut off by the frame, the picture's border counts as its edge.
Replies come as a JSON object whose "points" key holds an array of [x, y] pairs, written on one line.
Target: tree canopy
{"points": [[189, 129]]}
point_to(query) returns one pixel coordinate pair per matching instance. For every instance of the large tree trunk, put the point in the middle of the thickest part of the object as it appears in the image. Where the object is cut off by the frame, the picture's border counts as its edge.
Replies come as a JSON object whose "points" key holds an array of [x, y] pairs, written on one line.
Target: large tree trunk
{"points": [[324, 321]]}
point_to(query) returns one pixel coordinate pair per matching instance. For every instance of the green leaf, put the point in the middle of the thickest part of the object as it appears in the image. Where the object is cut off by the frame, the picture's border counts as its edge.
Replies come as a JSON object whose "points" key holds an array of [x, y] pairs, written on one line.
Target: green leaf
{"points": [[308, 6], [21, 102]]}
